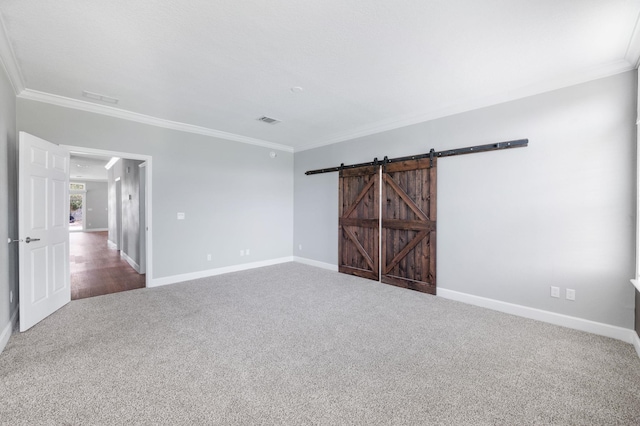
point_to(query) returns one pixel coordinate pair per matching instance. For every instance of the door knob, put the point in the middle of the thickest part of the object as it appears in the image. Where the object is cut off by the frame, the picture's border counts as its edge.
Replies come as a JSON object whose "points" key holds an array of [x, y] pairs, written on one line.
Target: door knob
{"points": [[29, 239]]}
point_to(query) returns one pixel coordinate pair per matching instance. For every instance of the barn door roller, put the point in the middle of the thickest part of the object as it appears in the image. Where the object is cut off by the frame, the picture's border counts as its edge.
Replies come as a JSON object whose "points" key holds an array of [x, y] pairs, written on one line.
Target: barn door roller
{"points": [[520, 143]]}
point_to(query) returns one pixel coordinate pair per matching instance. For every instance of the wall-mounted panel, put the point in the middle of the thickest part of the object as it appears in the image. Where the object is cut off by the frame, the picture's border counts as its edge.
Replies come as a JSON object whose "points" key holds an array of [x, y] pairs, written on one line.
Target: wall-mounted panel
{"points": [[40, 269], [40, 203]]}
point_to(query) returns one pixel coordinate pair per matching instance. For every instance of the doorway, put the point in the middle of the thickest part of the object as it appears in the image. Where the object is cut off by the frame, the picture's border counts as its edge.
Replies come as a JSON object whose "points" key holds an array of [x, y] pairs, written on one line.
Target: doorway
{"points": [[43, 205], [106, 260]]}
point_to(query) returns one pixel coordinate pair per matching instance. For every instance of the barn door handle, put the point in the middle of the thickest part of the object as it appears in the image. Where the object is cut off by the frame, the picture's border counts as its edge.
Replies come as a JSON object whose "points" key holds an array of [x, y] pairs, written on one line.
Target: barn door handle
{"points": [[29, 239]]}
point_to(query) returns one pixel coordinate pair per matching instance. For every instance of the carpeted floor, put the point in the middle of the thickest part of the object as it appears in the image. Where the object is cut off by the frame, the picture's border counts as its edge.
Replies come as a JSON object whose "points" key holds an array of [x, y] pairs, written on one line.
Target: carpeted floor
{"points": [[295, 345]]}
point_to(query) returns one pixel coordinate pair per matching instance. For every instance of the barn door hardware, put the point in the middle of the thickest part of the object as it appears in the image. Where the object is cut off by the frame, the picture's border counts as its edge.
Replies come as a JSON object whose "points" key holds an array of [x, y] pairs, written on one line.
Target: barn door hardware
{"points": [[520, 143]]}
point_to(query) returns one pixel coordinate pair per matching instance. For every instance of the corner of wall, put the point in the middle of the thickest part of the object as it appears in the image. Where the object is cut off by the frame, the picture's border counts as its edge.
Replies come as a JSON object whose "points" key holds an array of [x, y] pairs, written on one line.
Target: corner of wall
{"points": [[8, 330]]}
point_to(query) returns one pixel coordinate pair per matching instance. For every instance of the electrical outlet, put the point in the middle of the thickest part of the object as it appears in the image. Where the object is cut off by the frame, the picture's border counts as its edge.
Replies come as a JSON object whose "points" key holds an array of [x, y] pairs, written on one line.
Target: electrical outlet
{"points": [[300, 247], [181, 216], [209, 257], [571, 294], [241, 252], [246, 252], [555, 291]]}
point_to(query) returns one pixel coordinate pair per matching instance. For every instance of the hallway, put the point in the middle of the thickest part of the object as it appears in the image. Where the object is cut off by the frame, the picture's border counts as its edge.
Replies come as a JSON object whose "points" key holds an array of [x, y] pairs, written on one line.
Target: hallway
{"points": [[97, 269]]}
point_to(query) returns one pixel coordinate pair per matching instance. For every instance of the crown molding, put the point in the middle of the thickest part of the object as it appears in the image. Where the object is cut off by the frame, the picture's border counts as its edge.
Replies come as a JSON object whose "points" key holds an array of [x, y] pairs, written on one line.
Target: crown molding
{"points": [[632, 55], [594, 73], [8, 60], [63, 101]]}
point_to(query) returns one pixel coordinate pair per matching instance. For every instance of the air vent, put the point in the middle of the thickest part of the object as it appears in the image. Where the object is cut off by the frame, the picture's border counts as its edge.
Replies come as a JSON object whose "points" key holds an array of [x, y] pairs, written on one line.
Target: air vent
{"points": [[268, 120], [99, 97]]}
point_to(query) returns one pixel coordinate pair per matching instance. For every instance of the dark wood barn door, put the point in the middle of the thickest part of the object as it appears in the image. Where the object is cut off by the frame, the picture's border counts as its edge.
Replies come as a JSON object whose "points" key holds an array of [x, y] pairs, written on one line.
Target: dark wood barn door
{"points": [[409, 225], [359, 222]]}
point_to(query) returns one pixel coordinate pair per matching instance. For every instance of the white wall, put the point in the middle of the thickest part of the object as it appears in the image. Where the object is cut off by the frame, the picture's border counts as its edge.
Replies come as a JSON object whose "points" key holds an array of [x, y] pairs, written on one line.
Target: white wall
{"points": [[512, 223], [234, 195]]}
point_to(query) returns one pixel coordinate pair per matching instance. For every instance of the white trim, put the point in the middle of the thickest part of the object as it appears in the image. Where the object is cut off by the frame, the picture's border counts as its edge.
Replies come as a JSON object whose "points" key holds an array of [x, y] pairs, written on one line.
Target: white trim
{"points": [[316, 263], [90, 179], [8, 60], [6, 332], [130, 261], [148, 159], [111, 244], [636, 284], [105, 153], [620, 333], [595, 73], [63, 101], [636, 343], [96, 230], [632, 53], [218, 271]]}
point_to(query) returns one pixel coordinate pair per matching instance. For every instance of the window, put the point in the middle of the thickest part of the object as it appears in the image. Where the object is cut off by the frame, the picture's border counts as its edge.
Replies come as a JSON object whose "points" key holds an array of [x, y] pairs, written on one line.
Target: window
{"points": [[75, 186]]}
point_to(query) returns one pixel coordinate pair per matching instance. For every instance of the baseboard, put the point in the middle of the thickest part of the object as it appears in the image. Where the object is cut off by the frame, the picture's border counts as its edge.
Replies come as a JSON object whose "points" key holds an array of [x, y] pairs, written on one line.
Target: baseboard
{"points": [[130, 261], [6, 332], [315, 263], [620, 333], [156, 282], [96, 230], [112, 245], [636, 343]]}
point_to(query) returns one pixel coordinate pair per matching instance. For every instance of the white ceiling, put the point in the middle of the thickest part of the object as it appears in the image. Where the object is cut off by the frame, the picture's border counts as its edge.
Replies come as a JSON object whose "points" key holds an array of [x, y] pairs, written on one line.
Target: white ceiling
{"points": [[214, 67], [88, 167]]}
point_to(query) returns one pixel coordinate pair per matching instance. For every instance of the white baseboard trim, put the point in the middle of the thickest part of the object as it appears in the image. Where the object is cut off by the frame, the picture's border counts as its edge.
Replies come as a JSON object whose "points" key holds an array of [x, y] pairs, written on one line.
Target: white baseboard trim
{"points": [[615, 332], [6, 332], [96, 230], [156, 282], [316, 263], [130, 261], [112, 245]]}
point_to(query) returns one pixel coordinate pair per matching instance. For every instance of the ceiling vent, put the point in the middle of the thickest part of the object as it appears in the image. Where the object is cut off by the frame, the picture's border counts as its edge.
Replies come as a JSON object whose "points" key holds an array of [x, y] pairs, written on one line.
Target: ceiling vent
{"points": [[268, 120], [99, 97]]}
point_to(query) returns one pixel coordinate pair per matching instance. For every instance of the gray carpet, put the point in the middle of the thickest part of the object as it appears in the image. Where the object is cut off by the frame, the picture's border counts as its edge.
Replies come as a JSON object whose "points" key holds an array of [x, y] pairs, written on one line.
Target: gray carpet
{"points": [[295, 345]]}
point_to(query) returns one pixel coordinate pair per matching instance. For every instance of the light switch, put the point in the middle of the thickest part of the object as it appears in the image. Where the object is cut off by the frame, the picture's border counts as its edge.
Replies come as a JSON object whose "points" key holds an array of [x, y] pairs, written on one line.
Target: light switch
{"points": [[180, 216]]}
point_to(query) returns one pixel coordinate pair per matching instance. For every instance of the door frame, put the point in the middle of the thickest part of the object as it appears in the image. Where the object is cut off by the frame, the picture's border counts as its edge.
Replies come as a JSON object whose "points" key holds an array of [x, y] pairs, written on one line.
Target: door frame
{"points": [[144, 205], [148, 212]]}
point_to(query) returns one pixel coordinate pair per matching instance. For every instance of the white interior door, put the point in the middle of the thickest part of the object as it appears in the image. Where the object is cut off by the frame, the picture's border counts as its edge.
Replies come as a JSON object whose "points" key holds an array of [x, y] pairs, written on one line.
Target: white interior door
{"points": [[44, 229]]}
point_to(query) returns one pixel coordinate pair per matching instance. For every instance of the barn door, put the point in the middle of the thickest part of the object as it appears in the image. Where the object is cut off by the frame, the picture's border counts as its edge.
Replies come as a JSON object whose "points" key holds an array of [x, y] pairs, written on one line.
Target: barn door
{"points": [[409, 225], [358, 228]]}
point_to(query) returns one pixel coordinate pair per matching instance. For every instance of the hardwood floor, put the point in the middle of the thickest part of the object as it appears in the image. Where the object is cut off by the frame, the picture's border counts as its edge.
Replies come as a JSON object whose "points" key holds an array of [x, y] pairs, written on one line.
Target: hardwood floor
{"points": [[97, 269]]}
